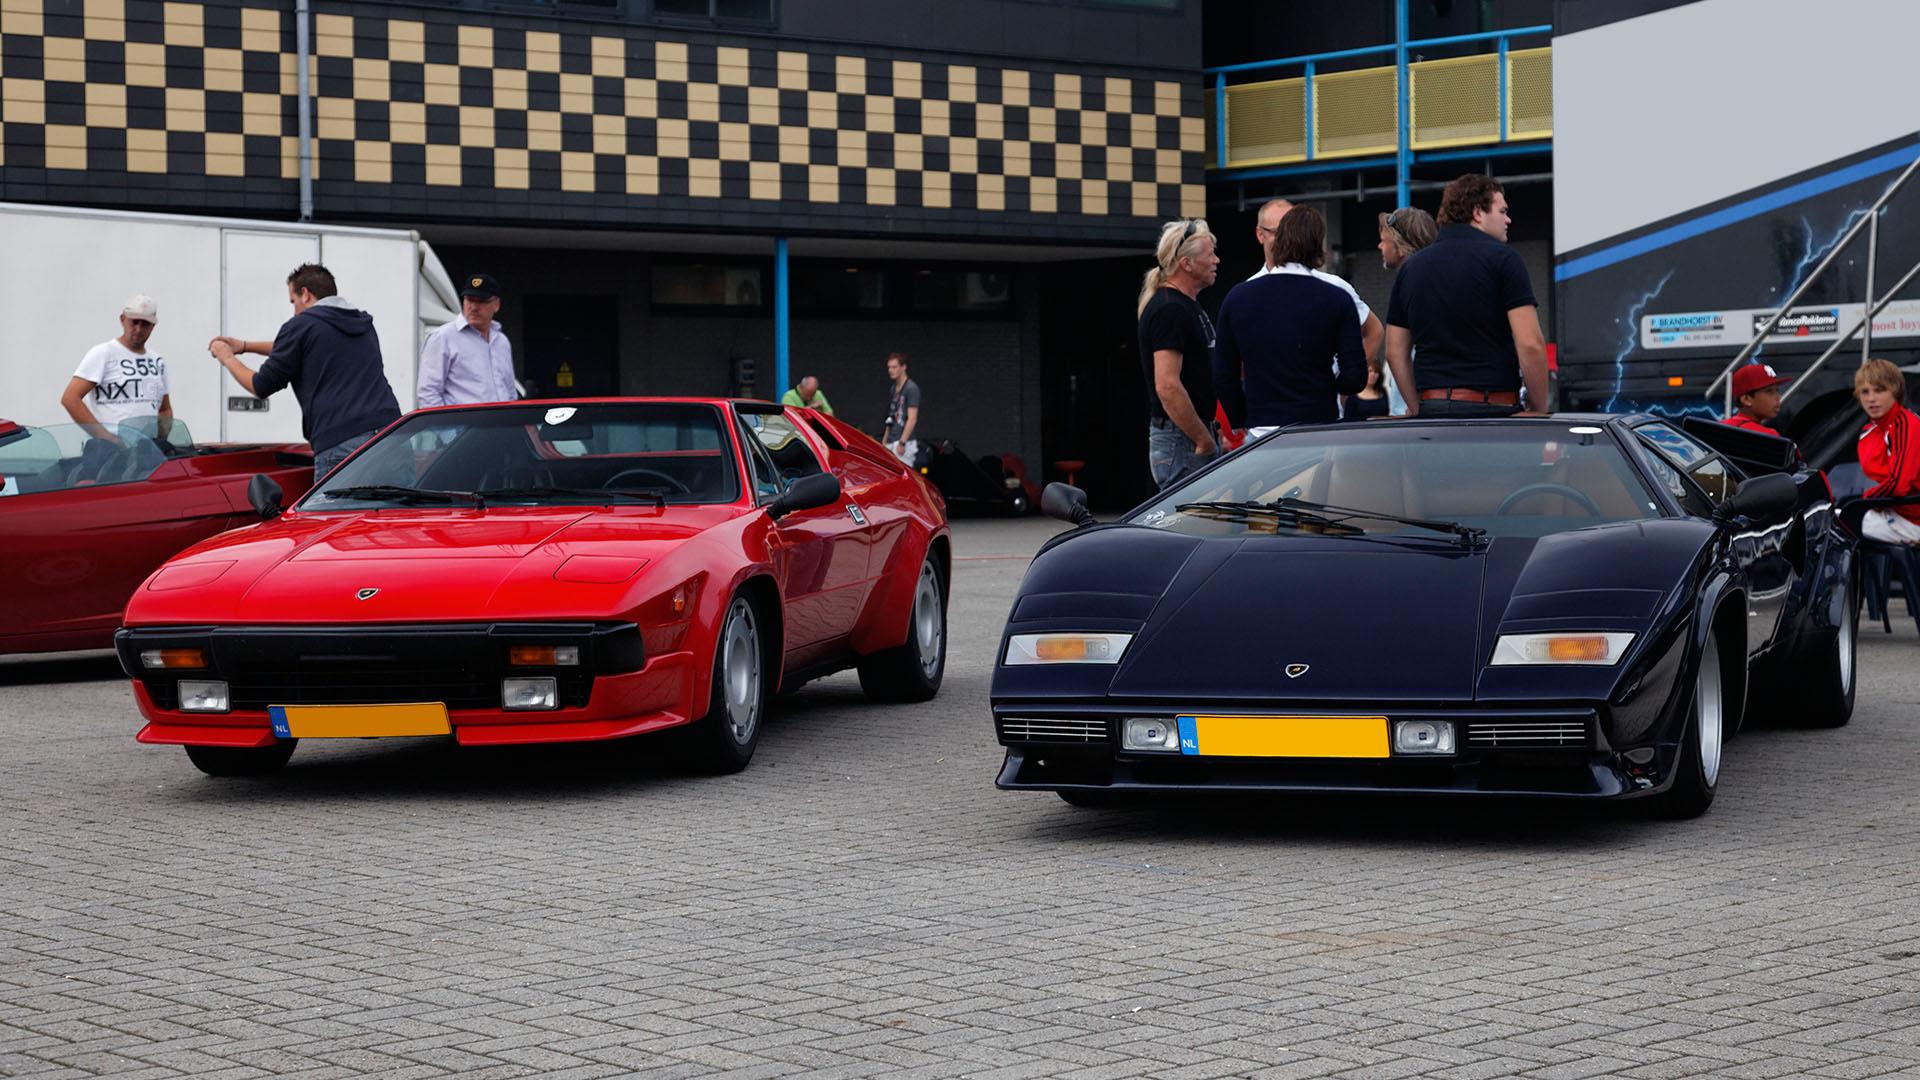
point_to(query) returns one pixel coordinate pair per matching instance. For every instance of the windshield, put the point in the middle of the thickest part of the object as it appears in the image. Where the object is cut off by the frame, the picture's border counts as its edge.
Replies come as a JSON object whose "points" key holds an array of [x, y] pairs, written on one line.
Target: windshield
{"points": [[63, 457], [1508, 480], [646, 453]]}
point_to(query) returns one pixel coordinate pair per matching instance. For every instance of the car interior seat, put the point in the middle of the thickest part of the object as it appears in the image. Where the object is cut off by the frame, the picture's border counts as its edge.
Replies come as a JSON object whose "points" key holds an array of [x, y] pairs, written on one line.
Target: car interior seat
{"points": [[516, 478]]}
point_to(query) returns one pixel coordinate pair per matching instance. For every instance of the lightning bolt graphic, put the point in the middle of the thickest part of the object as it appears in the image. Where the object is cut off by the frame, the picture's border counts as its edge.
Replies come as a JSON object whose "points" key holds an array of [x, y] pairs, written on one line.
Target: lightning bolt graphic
{"points": [[1631, 339], [1809, 255]]}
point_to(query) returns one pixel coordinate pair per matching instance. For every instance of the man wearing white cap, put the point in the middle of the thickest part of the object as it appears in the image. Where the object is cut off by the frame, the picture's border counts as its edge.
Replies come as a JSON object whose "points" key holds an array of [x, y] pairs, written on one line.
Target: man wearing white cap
{"points": [[120, 382]]}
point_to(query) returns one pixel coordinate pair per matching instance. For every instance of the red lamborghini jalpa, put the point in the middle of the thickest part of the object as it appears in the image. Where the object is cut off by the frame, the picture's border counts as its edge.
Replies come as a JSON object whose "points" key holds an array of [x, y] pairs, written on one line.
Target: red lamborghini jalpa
{"points": [[550, 571]]}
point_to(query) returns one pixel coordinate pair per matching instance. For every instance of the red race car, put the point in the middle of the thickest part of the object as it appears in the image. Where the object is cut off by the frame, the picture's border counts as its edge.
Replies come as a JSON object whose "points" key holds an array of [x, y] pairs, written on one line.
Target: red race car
{"points": [[86, 519], [551, 571]]}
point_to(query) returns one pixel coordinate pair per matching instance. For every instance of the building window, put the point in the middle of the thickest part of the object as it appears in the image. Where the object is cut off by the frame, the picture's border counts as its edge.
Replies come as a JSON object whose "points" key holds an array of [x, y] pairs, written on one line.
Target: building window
{"points": [[962, 290], [826, 289], [730, 10], [705, 285]]}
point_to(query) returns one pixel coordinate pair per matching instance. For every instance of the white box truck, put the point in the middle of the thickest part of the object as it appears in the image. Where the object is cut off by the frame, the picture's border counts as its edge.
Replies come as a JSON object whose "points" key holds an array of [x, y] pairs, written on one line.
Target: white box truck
{"points": [[65, 272]]}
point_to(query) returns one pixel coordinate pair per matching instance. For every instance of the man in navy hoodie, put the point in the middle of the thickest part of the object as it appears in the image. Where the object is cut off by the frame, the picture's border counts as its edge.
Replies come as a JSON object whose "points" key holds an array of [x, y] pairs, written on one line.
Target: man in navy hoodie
{"points": [[330, 355]]}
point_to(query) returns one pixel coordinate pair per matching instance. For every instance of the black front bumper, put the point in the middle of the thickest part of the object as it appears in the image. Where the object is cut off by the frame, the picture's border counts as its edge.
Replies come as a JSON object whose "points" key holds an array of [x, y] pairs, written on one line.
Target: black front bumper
{"points": [[1553, 752], [461, 664]]}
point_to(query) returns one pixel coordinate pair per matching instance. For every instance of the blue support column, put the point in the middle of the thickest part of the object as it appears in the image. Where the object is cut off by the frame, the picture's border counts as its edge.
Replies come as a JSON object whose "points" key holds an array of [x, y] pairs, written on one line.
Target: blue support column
{"points": [[1307, 89], [1502, 91], [780, 381], [1220, 121], [1404, 153]]}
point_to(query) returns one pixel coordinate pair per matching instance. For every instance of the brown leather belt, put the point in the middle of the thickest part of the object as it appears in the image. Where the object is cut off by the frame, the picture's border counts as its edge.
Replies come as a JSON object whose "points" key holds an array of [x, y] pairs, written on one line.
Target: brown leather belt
{"points": [[1461, 393]]}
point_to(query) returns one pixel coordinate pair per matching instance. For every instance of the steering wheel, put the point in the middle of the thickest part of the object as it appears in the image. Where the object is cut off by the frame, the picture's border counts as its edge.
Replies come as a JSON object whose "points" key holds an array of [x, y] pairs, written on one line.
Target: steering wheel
{"points": [[677, 487], [1530, 490]]}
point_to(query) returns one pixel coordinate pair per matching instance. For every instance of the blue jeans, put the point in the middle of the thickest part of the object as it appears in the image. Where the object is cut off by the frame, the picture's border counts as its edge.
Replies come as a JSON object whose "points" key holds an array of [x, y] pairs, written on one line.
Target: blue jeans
{"points": [[324, 461], [1170, 454]]}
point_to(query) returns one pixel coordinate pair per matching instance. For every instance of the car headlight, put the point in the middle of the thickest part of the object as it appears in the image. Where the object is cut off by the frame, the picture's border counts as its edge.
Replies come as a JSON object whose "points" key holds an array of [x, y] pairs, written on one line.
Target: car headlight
{"points": [[1066, 648], [1603, 649]]}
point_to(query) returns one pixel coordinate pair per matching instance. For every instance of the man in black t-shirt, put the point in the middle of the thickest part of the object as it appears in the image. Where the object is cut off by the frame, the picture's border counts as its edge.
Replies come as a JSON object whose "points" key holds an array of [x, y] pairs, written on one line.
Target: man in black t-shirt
{"points": [[1176, 352], [1464, 304]]}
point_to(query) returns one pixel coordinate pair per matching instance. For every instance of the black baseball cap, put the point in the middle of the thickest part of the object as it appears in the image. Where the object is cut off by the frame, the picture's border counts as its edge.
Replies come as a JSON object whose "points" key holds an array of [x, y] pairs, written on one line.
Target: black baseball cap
{"points": [[480, 287]]}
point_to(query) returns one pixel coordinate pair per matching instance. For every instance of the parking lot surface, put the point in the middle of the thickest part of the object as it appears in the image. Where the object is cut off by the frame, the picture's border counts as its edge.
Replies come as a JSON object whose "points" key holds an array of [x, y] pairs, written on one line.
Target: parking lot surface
{"points": [[862, 902]]}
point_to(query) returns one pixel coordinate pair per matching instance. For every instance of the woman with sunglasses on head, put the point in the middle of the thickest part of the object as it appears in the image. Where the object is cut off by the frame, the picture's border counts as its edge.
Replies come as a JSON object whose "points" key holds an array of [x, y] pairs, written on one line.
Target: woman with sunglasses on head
{"points": [[1176, 352], [1402, 233]]}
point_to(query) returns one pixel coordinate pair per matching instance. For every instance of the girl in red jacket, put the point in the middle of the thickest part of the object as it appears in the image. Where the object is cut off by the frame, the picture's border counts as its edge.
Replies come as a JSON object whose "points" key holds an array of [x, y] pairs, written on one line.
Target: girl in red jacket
{"points": [[1889, 452]]}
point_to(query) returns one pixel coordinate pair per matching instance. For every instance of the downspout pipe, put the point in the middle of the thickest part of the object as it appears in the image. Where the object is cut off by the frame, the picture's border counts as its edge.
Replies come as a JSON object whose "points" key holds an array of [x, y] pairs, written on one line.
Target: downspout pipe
{"points": [[303, 41]]}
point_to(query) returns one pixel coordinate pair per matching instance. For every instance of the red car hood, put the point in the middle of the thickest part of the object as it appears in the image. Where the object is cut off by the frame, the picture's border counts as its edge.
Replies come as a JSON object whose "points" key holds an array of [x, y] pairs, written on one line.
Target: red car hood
{"points": [[420, 565]]}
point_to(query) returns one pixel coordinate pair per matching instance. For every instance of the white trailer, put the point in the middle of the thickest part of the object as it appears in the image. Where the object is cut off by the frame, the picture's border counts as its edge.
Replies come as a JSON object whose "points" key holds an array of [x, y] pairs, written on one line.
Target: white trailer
{"points": [[64, 274]]}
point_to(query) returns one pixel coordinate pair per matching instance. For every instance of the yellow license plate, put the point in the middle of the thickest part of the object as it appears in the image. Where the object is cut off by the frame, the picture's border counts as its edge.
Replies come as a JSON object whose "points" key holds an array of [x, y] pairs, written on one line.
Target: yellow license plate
{"points": [[359, 721], [1284, 736]]}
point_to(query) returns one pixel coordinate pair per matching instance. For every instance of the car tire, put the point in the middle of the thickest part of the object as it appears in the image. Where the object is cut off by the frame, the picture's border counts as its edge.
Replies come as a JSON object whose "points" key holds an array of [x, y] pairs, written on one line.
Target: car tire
{"points": [[241, 760], [1827, 688], [724, 739], [1697, 768], [913, 671]]}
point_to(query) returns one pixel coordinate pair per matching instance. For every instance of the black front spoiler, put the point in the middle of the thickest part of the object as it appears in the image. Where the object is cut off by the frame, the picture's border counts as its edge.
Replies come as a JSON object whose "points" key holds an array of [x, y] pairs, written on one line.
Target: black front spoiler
{"points": [[1585, 774]]}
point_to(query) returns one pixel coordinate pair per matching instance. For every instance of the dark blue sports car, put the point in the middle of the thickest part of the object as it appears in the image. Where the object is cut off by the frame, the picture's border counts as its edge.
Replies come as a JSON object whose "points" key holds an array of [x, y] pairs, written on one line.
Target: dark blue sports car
{"points": [[1572, 606]]}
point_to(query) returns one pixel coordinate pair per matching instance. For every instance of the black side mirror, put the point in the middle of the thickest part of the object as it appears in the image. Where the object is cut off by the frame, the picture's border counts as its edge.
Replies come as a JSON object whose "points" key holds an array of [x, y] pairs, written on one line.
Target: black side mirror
{"points": [[820, 489], [266, 496], [1064, 502], [1762, 498]]}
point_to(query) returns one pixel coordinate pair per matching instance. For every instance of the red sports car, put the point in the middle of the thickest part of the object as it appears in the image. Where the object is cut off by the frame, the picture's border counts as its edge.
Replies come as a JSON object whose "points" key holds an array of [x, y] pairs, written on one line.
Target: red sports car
{"points": [[83, 520], [551, 571]]}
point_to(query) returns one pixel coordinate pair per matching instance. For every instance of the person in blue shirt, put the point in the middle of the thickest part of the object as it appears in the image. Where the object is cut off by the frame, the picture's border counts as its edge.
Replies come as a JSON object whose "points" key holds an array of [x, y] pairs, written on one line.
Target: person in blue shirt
{"points": [[1465, 306], [1289, 342]]}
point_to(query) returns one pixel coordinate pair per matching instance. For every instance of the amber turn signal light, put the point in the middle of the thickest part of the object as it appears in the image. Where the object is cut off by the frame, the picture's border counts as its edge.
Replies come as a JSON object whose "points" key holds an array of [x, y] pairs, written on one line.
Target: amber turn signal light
{"points": [[543, 655], [174, 658]]}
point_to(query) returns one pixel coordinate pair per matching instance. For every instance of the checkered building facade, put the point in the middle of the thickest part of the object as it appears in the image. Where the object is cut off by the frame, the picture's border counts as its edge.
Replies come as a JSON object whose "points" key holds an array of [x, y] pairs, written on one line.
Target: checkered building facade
{"points": [[436, 114]]}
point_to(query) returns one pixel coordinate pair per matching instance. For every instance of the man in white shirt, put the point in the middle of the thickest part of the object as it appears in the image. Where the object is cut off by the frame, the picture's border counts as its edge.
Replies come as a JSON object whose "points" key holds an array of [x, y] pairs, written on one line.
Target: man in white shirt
{"points": [[469, 361], [1266, 225], [121, 382]]}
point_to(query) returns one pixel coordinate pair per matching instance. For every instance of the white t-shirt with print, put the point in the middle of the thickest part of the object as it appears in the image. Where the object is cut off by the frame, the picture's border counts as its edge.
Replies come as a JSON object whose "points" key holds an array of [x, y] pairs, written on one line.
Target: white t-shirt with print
{"points": [[128, 385]]}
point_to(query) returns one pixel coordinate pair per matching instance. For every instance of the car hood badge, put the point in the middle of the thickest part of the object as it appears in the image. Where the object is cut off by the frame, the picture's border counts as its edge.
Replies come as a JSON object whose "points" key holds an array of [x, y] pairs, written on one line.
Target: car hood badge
{"points": [[365, 594], [1294, 671]]}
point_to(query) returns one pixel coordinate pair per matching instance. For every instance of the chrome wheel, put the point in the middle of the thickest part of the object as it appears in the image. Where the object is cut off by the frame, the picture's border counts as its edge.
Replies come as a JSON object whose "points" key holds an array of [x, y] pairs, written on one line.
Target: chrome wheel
{"points": [[740, 671], [1708, 712], [929, 620]]}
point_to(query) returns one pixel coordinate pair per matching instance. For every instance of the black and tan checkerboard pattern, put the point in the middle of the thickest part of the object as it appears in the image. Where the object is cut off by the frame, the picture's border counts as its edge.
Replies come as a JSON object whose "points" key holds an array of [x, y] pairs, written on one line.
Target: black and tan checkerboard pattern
{"points": [[519, 111]]}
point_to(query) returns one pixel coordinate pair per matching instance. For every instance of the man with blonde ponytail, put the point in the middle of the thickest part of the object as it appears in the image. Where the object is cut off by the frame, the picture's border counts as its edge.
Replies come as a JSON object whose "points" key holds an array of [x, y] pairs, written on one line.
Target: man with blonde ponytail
{"points": [[1176, 352]]}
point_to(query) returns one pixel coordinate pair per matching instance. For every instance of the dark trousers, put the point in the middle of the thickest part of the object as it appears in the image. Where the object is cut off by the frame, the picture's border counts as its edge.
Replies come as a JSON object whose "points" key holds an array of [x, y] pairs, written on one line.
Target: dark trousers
{"points": [[1464, 410]]}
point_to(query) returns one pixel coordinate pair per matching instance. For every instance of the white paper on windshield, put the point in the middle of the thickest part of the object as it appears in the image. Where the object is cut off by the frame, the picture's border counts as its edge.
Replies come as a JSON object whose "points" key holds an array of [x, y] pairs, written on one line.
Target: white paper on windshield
{"points": [[560, 416]]}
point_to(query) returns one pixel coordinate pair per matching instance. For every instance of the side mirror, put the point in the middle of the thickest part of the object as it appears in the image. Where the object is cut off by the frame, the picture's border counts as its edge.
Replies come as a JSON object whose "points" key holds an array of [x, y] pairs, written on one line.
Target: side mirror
{"points": [[266, 496], [820, 489], [1762, 498], [1064, 502]]}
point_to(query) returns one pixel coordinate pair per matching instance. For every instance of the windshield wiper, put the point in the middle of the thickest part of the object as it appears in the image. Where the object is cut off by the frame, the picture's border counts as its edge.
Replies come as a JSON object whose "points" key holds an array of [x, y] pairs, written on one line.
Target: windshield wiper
{"points": [[1467, 535], [1286, 515], [399, 493], [655, 495]]}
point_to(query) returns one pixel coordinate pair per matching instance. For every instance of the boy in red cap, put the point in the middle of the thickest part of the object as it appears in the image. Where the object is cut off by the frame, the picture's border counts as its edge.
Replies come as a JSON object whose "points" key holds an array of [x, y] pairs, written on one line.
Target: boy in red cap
{"points": [[1889, 452], [1757, 388]]}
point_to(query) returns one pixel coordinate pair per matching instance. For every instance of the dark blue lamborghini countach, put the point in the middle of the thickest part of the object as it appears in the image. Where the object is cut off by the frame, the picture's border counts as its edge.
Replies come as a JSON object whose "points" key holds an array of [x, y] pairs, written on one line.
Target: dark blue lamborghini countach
{"points": [[1571, 606]]}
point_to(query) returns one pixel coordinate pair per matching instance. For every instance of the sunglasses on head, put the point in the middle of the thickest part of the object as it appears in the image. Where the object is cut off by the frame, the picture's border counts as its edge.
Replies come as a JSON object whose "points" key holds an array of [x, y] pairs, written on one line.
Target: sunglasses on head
{"points": [[1192, 224]]}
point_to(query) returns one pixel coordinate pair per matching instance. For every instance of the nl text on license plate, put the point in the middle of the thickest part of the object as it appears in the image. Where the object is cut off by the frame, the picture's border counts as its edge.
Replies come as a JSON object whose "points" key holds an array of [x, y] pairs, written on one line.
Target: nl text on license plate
{"points": [[1284, 736], [359, 721]]}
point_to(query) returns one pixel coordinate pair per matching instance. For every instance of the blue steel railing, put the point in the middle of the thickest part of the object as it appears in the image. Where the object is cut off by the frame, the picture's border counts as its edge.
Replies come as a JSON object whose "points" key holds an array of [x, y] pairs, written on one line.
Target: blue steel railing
{"points": [[1403, 155]]}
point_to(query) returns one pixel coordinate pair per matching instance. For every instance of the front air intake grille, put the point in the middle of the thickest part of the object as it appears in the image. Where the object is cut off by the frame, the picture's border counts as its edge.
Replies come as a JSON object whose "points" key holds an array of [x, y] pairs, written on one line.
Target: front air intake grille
{"points": [[1088, 729], [1526, 734]]}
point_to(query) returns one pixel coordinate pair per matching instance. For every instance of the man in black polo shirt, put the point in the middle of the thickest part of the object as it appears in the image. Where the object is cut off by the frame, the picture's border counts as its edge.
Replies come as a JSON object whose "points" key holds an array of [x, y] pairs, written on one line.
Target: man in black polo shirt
{"points": [[1176, 352], [1465, 304]]}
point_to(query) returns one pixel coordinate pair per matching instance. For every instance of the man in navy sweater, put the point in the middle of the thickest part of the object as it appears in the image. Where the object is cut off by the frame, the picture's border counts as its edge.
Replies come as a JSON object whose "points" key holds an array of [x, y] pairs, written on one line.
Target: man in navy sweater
{"points": [[330, 355], [1289, 342]]}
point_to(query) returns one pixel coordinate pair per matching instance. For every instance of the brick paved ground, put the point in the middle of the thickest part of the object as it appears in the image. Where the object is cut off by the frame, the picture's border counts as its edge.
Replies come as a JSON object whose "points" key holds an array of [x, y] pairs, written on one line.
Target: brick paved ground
{"points": [[861, 902]]}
